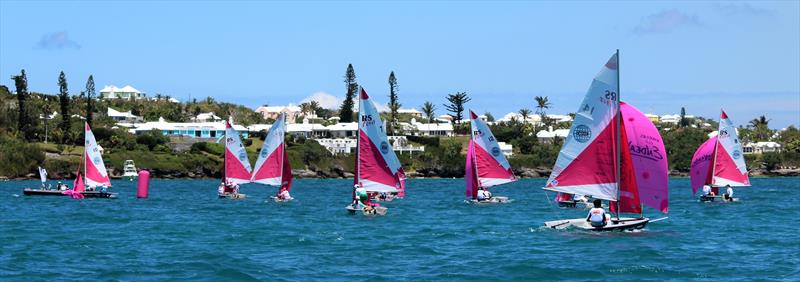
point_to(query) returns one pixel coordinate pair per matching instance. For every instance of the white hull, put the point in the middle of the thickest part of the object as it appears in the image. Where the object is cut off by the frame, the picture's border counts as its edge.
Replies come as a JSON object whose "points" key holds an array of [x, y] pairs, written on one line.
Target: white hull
{"points": [[231, 196], [613, 224], [279, 200], [491, 201], [375, 211]]}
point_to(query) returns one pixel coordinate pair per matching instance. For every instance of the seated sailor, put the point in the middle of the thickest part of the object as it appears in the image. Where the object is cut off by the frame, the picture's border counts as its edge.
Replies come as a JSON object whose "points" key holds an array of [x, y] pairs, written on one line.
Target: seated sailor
{"points": [[597, 216]]}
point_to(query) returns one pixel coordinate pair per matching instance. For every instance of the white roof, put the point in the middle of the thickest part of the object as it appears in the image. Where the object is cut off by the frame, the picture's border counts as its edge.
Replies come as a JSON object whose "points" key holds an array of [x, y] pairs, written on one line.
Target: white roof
{"points": [[408, 111], [161, 124], [762, 144], [304, 127], [432, 126], [112, 88], [115, 113], [343, 126], [551, 134], [447, 117], [207, 116]]}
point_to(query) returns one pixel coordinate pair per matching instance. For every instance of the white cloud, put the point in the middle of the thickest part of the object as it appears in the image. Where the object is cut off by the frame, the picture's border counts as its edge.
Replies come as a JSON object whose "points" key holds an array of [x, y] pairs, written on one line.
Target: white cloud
{"points": [[665, 21], [325, 100], [57, 40]]}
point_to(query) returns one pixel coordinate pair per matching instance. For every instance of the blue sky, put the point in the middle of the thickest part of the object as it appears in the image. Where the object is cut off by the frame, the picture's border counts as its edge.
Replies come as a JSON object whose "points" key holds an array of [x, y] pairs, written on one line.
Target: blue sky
{"points": [[744, 57]]}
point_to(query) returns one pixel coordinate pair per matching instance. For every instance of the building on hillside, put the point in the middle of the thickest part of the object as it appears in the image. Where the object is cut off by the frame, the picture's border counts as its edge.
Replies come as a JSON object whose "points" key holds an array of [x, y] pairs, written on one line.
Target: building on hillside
{"points": [[338, 145], [307, 130], [506, 148], [653, 118], [206, 117], [272, 112], [401, 145], [550, 135], [185, 129], [426, 129], [761, 147], [123, 116], [343, 130], [412, 112], [127, 92], [673, 119]]}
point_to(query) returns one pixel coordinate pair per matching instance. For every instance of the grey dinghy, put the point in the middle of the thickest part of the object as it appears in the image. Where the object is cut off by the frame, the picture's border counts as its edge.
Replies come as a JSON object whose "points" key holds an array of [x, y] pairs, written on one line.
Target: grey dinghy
{"points": [[232, 196], [621, 224], [491, 201], [375, 210]]}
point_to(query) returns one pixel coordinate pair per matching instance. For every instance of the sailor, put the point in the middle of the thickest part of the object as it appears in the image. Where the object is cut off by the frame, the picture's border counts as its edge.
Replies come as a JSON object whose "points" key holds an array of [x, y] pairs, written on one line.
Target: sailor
{"points": [[361, 195], [221, 189], [597, 216], [236, 188], [284, 194], [580, 198], [483, 195], [728, 193], [707, 191]]}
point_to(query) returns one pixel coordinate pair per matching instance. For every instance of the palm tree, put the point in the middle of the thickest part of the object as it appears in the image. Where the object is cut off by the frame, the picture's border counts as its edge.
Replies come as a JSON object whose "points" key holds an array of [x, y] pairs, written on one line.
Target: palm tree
{"points": [[761, 129], [305, 108], [429, 109], [542, 103], [525, 113]]}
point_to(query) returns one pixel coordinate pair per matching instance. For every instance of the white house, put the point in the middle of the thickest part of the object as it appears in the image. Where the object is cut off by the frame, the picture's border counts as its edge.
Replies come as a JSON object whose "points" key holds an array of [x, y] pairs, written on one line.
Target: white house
{"points": [[127, 92], [761, 147], [343, 130], [338, 145], [185, 129], [548, 136], [412, 112], [123, 116], [427, 129], [506, 148]]}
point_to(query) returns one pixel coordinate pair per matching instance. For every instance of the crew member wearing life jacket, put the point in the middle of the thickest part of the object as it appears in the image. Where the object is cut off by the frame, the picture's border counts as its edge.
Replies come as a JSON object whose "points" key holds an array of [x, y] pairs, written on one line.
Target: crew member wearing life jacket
{"points": [[483, 194], [597, 216], [707, 191], [284, 194], [728, 193]]}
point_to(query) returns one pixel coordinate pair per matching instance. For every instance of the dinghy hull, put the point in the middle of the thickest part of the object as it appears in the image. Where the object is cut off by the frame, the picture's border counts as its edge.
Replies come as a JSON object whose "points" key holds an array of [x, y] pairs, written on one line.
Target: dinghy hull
{"points": [[86, 194], [233, 196], [622, 224], [375, 211], [491, 201]]}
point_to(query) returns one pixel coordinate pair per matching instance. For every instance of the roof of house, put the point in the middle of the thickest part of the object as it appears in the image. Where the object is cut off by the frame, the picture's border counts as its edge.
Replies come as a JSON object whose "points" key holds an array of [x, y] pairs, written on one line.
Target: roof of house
{"points": [[278, 109], [113, 88], [115, 113]]}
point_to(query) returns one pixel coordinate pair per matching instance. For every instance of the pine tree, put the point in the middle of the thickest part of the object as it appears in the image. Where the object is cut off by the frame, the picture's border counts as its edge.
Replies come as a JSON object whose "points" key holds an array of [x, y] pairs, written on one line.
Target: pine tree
{"points": [[346, 111], [23, 121], [89, 96], [394, 104], [456, 106], [63, 99]]}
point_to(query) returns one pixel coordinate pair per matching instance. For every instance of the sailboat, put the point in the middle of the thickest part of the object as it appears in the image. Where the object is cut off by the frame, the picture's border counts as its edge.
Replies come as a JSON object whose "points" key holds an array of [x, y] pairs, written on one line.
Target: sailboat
{"points": [[614, 153], [272, 167], [94, 174], [236, 165], [486, 165], [377, 169], [719, 161]]}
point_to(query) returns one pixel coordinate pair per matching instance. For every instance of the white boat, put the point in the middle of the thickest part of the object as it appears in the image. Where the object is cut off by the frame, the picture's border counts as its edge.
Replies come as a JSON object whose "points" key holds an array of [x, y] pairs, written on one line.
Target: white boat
{"points": [[129, 170], [486, 166], [614, 153], [273, 167], [377, 169], [719, 162]]}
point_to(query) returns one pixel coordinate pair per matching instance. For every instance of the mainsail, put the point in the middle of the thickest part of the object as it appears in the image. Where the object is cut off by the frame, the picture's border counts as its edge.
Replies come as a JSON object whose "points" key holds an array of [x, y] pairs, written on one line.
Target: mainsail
{"points": [[491, 166], [96, 174], [470, 176], [237, 166], [702, 161], [272, 166], [377, 166], [729, 167], [586, 164]]}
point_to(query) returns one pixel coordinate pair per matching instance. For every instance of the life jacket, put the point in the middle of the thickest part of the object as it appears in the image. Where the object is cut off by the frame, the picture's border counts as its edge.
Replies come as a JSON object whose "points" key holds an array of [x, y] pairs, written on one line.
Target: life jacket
{"points": [[597, 216]]}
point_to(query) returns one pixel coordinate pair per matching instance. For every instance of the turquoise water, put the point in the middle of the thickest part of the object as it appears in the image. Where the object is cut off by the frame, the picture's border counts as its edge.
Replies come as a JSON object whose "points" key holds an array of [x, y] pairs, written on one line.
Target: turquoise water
{"points": [[183, 232]]}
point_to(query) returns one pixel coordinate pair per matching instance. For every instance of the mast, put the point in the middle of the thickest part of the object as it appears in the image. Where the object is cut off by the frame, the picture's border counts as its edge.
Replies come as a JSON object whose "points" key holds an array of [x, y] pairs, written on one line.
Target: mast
{"points": [[224, 154], [358, 140], [714, 161], [619, 133], [283, 149], [84, 150], [474, 160]]}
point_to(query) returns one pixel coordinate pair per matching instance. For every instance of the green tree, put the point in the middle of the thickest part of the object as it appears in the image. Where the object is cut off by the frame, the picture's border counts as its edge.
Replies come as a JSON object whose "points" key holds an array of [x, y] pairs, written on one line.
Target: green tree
{"points": [[346, 111], [394, 103], [684, 122], [24, 124], [761, 131], [525, 113], [90, 94], [429, 109], [489, 116], [542, 104], [63, 100], [456, 106]]}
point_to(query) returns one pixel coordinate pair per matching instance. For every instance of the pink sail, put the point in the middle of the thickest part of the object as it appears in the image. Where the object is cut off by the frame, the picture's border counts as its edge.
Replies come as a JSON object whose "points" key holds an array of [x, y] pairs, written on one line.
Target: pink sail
{"points": [[96, 174], [561, 197], [586, 164], [491, 166], [629, 192], [286, 177], [377, 166], [237, 166], [272, 162], [648, 156], [701, 164], [729, 166], [470, 176], [78, 185]]}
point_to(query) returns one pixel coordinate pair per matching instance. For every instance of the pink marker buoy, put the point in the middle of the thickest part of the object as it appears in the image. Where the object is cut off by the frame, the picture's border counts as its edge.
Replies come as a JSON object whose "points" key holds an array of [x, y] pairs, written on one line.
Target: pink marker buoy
{"points": [[143, 185]]}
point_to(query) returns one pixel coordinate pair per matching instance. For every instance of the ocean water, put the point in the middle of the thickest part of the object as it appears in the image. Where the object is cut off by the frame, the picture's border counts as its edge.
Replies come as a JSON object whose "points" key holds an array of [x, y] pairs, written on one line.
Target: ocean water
{"points": [[183, 232]]}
